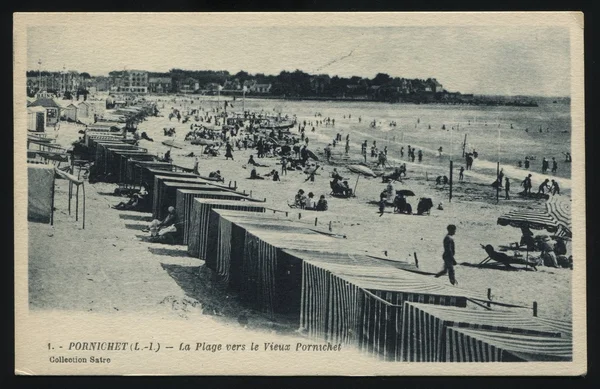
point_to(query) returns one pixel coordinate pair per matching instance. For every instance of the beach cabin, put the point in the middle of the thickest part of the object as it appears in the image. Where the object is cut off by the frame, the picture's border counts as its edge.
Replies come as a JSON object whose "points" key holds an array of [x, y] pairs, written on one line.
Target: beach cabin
{"points": [[70, 112], [85, 110], [52, 110], [36, 119]]}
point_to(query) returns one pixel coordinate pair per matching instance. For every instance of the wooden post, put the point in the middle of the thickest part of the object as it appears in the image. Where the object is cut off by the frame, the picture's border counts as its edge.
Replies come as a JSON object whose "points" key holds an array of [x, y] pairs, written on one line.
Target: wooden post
{"points": [[77, 204], [416, 259], [464, 146], [535, 309], [489, 296], [316, 221], [355, 185], [450, 193], [52, 204], [498, 183], [83, 189]]}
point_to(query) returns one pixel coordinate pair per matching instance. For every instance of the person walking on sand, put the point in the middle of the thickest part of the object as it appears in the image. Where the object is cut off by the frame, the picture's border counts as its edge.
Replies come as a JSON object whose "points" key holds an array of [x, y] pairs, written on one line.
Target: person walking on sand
{"points": [[554, 165], [228, 151], [527, 185], [448, 256], [283, 166], [507, 188], [461, 173]]}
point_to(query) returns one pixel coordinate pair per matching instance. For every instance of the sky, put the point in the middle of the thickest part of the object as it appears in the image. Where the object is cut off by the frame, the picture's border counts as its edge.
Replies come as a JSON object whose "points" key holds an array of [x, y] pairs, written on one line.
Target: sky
{"points": [[520, 60]]}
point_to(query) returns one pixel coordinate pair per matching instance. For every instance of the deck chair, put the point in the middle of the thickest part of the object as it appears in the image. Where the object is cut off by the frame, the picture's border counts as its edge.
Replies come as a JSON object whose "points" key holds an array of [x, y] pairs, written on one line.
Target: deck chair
{"points": [[502, 258]]}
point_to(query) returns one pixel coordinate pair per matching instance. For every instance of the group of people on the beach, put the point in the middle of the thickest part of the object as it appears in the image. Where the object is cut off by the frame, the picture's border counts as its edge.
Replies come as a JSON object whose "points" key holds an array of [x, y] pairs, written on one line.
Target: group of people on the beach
{"points": [[308, 202]]}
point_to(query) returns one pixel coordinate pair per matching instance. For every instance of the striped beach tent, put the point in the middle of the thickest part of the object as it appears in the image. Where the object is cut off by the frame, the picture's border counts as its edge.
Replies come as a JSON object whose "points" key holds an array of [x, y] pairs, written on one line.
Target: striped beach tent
{"points": [[424, 328], [376, 293], [127, 162], [533, 219], [116, 158], [470, 345], [134, 170], [199, 221], [184, 200], [559, 207], [252, 244], [156, 186]]}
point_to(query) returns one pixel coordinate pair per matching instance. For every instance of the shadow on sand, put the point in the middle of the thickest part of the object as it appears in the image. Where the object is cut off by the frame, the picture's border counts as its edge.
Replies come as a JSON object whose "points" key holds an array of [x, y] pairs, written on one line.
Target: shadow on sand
{"points": [[140, 217], [199, 283], [168, 251], [137, 227]]}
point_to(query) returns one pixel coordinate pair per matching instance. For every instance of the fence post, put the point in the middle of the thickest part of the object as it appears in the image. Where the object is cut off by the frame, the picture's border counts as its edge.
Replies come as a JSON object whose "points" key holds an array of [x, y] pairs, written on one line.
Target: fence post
{"points": [[416, 259], [535, 309], [489, 296], [316, 222]]}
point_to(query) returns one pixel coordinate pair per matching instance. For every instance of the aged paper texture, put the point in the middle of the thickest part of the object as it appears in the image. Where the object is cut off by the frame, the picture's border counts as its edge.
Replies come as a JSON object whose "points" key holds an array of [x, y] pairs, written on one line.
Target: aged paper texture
{"points": [[299, 194]]}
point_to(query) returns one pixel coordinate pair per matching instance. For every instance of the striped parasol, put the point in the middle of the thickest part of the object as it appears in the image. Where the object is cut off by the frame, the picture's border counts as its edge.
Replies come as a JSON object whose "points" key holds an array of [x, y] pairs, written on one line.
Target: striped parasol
{"points": [[559, 207], [533, 219]]}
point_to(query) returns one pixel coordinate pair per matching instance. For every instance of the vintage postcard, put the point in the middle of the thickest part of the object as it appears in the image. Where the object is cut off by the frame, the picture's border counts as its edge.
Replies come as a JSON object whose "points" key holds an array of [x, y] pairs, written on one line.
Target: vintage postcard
{"points": [[351, 194]]}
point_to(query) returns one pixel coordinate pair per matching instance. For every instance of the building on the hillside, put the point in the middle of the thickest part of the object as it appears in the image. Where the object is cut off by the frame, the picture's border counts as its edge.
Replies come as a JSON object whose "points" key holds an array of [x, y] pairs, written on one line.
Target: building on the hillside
{"points": [[70, 112], [188, 85], [102, 84], [52, 110], [36, 119], [261, 88], [134, 81], [159, 84]]}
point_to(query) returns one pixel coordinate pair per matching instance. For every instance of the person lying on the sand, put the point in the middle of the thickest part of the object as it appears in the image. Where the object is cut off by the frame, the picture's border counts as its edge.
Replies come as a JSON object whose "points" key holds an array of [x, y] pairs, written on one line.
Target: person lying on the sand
{"points": [[251, 161], [134, 200], [167, 225]]}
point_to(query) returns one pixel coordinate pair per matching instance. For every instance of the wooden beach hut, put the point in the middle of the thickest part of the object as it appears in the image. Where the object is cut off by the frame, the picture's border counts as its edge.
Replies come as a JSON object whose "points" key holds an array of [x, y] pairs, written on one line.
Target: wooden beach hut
{"points": [[70, 112], [424, 328], [36, 119], [199, 221]]}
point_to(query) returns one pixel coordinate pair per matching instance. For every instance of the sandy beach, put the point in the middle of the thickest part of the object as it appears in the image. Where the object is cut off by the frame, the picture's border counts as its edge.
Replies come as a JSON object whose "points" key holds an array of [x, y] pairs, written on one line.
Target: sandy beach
{"points": [[110, 267]]}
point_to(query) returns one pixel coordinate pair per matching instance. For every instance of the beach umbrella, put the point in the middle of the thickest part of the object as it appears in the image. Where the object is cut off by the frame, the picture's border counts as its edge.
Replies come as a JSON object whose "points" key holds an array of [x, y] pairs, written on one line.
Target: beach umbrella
{"points": [[405, 192], [532, 219], [560, 208], [360, 169]]}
